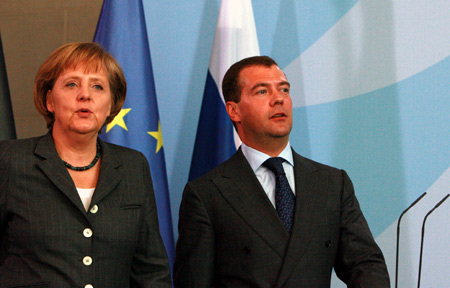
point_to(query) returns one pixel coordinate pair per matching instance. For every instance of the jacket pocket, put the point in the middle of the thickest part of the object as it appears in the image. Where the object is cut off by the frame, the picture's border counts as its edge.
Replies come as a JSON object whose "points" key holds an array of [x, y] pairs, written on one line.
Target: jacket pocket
{"points": [[32, 285], [131, 206]]}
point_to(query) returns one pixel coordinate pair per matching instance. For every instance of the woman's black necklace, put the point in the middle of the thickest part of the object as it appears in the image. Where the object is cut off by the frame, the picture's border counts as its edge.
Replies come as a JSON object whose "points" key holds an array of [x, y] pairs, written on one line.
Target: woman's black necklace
{"points": [[84, 168]]}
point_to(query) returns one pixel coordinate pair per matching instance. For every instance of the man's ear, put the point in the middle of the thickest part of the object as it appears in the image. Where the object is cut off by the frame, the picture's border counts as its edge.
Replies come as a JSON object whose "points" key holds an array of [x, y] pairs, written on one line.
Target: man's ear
{"points": [[233, 111], [49, 101]]}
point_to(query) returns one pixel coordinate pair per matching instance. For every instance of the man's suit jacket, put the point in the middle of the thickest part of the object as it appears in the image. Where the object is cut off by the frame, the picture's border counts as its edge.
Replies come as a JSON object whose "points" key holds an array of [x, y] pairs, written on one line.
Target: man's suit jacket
{"points": [[46, 233], [230, 234]]}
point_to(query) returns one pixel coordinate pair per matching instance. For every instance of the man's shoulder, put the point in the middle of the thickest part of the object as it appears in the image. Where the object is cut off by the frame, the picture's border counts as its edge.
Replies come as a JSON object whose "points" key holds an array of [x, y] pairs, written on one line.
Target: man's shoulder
{"points": [[310, 164], [237, 160]]}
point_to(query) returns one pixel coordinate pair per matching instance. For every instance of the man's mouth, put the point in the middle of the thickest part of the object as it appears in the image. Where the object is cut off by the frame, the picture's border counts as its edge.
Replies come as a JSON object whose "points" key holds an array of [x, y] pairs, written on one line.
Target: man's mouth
{"points": [[278, 115]]}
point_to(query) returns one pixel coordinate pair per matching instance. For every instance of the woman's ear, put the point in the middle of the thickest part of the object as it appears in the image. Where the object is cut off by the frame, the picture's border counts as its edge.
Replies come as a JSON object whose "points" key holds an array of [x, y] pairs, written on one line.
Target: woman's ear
{"points": [[49, 101]]}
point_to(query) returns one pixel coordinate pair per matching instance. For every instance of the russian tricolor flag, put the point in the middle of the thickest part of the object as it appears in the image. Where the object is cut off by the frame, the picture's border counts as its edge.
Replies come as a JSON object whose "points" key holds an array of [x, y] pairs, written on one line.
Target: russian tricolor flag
{"points": [[235, 39]]}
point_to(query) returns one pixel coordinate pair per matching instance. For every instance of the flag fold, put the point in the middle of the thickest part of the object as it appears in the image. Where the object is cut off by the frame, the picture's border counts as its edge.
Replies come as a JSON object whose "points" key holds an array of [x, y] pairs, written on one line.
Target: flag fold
{"points": [[121, 30], [234, 39]]}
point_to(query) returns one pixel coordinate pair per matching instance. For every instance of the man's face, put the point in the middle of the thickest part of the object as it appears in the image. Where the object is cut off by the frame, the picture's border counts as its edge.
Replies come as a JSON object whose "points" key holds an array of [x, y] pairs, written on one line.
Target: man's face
{"points": [[264, 114]]}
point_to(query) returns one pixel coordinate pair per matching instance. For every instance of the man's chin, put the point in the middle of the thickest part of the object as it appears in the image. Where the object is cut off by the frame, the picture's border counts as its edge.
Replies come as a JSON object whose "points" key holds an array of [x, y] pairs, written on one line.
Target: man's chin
{"points": [[284, 133]]}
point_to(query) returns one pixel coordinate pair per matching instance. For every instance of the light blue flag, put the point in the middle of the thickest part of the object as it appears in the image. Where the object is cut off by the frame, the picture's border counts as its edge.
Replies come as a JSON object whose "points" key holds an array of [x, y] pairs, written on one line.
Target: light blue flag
{"points": [[122, 31], [235, 38]]}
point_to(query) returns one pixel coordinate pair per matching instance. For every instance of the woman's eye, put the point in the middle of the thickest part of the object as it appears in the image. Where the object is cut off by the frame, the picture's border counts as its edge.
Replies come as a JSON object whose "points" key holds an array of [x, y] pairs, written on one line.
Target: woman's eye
{"points": [[71, 84], [98, 87]]}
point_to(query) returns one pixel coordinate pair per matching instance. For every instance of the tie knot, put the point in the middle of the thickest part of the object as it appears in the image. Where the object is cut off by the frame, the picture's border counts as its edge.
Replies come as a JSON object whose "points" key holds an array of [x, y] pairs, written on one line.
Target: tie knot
{"points": [[275, 165]]}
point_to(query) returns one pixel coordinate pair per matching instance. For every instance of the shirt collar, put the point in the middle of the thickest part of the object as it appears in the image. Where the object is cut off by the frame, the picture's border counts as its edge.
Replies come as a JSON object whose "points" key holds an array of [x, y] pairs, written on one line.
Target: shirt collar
{"points": [[255, 158]]}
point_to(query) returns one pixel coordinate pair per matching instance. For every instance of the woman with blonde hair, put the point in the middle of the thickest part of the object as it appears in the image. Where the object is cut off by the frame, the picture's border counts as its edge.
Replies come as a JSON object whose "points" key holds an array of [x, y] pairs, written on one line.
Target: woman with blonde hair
{"points": [[76, 211]]}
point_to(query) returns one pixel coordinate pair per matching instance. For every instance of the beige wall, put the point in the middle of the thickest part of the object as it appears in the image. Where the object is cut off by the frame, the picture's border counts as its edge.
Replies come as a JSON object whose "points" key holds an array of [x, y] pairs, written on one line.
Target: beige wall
{"points": [[31, 30]]}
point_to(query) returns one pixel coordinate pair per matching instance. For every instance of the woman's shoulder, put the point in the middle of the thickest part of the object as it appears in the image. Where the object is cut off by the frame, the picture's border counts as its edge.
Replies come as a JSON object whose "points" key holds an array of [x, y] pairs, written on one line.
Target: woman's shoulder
{"points": [[121, 152], [19, 144], [18, 149]]}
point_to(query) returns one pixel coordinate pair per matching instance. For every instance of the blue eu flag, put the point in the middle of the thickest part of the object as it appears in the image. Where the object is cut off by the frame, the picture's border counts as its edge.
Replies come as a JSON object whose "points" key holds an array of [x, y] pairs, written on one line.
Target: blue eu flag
{"points": [[122, 31]]}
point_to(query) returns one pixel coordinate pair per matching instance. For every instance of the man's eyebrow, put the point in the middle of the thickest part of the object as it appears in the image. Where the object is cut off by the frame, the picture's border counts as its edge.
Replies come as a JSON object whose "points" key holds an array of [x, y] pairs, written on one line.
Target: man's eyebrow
{"points": [[285, 83], [263, 84]]}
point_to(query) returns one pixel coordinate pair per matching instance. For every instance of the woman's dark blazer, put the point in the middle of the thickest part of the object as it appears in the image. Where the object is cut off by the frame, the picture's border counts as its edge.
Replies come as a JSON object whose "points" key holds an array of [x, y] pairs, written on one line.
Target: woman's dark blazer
{"points": [[49, 240]]}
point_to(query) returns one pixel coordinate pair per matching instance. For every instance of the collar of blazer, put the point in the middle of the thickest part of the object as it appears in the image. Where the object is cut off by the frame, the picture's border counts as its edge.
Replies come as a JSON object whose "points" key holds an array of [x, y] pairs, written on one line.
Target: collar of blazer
{"points": [[52, 166], [240, 187]]}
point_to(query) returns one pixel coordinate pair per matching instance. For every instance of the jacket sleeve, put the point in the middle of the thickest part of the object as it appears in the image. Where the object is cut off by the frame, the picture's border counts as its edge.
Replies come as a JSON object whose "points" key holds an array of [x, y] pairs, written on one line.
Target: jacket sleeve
{"points": [[150, 267], [194, 261], [360, 262]]}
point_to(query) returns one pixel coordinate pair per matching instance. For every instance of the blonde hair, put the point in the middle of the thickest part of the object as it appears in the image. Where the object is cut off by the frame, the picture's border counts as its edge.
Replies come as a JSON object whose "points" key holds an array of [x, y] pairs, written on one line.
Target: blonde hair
{"points": [[68, 56]]}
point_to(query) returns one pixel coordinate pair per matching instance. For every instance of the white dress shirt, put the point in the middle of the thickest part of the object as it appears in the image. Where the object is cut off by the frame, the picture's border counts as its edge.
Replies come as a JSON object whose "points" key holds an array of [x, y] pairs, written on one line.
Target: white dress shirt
{"points": [[266, 177]]}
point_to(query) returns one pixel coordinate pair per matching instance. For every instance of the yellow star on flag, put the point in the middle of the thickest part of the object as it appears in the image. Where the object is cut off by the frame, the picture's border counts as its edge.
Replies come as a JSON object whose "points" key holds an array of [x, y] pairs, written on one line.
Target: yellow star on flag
{"points": [[118, 120], [158, 136]]}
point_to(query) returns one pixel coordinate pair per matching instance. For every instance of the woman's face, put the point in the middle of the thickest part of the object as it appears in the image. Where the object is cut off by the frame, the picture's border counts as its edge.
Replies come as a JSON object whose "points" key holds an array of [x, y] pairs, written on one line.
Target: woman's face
{"points": [[80, 101]]}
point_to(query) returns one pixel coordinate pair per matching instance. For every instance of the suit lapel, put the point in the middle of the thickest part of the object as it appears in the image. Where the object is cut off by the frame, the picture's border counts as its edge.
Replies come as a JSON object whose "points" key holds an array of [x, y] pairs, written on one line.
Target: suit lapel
{"points": [[240, 187], [308, 184], [54, 169], [109, 176]]}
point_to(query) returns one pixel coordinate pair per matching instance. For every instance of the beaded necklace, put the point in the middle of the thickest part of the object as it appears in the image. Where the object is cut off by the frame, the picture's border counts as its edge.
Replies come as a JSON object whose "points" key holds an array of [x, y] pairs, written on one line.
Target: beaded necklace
{"points": [[84, 168]]}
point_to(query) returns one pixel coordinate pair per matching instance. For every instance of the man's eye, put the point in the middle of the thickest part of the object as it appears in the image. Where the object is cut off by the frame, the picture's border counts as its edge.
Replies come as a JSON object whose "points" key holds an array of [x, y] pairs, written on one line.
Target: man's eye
{"points": [[261, 92], [285, 90]]}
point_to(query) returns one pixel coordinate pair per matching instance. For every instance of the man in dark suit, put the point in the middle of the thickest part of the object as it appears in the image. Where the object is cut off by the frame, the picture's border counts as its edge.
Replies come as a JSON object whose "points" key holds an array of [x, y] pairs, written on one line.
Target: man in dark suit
{"points": [[250, 223]]}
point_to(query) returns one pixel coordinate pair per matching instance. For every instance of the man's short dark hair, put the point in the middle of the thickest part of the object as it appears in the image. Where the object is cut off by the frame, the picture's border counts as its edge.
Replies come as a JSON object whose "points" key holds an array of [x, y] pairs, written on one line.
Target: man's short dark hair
{"points": [[231, 86]]}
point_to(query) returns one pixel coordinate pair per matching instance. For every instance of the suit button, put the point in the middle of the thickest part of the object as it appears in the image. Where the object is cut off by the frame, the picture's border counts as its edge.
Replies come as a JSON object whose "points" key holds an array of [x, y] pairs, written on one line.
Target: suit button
{"points": [[88, 286], [246, 250], [87, 261], [87, 233], [94, 209], [328, 243]]}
